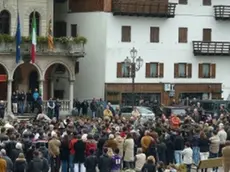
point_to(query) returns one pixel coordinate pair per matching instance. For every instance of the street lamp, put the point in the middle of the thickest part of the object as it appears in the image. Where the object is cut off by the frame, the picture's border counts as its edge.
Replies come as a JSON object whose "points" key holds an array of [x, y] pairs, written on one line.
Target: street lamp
{"points": [[134, 63]]}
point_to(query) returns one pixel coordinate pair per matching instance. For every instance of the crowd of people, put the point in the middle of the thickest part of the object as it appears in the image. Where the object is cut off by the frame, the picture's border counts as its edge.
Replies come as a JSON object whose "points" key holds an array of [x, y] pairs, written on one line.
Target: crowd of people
{"points": [[113, 143]]}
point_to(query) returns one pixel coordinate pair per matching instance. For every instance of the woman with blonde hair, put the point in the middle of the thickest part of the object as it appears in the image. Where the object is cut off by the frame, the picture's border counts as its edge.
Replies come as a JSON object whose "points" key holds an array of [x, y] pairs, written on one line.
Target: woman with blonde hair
{"points": [[149, 165], [140, 160], [20, 163]]}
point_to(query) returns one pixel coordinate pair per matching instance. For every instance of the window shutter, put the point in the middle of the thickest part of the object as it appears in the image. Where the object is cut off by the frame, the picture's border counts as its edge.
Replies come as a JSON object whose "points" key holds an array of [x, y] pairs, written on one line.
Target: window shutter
{"points": [[161, 65], [176, 70], [200, 72], [154, 34], [184, 2], [76, 67], [119, 70], [207, 2], [189, 74], [183, 35], [207, 35], [147, 70], [213, 70], [126, 34]]}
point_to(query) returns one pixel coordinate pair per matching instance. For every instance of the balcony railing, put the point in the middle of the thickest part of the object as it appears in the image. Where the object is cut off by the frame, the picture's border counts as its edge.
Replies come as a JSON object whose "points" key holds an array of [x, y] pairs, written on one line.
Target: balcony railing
{"points": [[201, 48], [62, 46], [222, 12], [150, 9], [64, 109]]}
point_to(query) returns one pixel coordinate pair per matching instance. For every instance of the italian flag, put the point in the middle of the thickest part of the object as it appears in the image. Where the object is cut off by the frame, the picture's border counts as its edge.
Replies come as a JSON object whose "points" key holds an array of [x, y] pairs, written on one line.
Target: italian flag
{"points": [[34, 39]]}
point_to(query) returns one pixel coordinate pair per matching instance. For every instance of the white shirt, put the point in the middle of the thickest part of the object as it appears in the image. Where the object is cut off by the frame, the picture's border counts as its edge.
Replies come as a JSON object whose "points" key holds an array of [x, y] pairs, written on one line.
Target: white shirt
{"points": [[140, 161], [187, 156], [223, 136]]}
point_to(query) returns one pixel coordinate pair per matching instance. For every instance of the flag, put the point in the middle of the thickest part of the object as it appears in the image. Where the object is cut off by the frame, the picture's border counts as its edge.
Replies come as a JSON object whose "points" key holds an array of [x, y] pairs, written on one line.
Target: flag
{"points": [[34, 39], [18, 40], [50, 37]]}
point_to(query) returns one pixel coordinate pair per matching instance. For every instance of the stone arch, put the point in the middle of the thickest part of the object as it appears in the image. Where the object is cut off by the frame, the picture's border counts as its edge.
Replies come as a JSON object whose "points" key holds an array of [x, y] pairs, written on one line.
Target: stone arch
{"points": [[6, 69], [34, 64], [70, 71], [10, 8], [40, 10]]}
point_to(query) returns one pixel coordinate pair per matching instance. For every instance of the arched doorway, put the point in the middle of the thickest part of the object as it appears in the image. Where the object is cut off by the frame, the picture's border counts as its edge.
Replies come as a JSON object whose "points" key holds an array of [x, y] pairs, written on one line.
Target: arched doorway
{"points": [[26, 77], [33, 80], [3, 82], [56, 84]]}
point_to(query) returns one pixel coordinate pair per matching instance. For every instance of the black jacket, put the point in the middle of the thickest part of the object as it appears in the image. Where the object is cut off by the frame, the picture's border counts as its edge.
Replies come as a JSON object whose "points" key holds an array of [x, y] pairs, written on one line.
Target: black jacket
{"points": [[64, 151], [36, 165], [91, 163], [148, 167], [204, 145], [20, 165], [105, 163], [79, 148], [178, 143]]}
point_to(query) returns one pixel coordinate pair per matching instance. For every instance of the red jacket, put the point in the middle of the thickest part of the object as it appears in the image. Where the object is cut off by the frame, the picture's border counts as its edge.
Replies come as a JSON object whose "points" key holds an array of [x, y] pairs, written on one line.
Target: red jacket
{"points": [[71, 146]]}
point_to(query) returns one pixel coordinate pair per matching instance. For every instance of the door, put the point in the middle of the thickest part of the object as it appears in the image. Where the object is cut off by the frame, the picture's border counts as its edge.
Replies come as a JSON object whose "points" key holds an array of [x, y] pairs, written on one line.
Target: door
{"points": [[33, 81]]}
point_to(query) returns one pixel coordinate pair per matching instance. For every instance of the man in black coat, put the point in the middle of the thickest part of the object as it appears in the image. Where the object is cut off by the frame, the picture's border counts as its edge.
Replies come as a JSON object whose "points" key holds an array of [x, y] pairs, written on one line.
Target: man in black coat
{"points": [[91, 162], [105, 162], [79, 158]]}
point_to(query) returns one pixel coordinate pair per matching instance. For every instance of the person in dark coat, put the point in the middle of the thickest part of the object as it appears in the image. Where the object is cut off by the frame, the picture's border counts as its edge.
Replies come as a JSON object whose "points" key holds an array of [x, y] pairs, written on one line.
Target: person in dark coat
{"points": [[16, 151], [57, 108], [149, 165], [161, 150], [20, 164], [79, 158], [2, 109], [36, 164], [84, 106], [91, 162], [30, 153], [105, 162], [169, 151], [64, 153], [101, 143]]}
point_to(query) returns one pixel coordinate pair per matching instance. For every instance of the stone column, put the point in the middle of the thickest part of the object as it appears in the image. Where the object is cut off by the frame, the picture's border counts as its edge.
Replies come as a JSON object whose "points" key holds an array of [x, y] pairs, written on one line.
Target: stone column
{"points": [[9, 95], [51, 89], [41, 88], [71, 92]]}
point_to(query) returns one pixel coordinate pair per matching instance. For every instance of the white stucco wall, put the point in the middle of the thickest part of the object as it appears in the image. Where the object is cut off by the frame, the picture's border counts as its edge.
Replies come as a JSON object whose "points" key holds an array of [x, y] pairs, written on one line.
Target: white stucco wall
{"points": [[25, 7], [195, 17], [90, 80], [104, 48]]}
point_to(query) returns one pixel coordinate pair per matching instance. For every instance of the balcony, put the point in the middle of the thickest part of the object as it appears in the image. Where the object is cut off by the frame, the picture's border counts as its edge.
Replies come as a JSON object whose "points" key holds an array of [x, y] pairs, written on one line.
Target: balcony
{"points": [[64, 46], [222, 12], [201, 48], [145, 9]]}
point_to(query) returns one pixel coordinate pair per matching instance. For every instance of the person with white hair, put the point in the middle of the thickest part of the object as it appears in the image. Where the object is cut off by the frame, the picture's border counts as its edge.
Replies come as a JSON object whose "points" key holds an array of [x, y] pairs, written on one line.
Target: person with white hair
{"points": [[111, 143], [16, 151], [9, 163]]}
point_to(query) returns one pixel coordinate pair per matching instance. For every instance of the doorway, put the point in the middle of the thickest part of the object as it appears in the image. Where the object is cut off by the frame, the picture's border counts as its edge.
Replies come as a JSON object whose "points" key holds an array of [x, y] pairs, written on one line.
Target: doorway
{"points": [[33, 80]]}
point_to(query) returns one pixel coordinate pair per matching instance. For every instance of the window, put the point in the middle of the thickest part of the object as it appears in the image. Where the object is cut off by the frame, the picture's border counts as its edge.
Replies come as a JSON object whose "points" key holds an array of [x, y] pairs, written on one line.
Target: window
{"points": [[207, 35], [207, 2], [59, 29], [77, 68], [37, 18], [4, 22], [182, 70], [183, 35], [73, 30], [154, 34], [123, 71], [126, 33], [183, 2], [207, 70], [154, 70]]}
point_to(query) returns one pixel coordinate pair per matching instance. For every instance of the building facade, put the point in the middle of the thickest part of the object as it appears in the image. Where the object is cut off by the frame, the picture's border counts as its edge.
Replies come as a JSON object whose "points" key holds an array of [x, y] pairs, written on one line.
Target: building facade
{"points": [[53, 72], [185, 47]]}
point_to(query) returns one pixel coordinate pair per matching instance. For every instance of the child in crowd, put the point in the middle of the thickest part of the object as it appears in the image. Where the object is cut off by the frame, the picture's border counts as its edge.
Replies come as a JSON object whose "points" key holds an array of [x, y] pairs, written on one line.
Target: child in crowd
{"points": [[116, 167], [140, 160], [149, 166], [187, 154]]}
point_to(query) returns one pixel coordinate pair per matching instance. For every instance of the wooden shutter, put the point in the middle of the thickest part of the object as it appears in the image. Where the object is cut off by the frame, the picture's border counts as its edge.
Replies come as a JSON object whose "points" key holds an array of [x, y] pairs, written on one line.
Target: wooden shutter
{"points": [[60, 29], [207, 35], [161, 74], [189, 74], [207, 2], [119, 70], [183, 35], [184, 2], [213, 70], [154, 34], [176, 70], [126, 33], [200, 72], [73, 30], [147, 70]]}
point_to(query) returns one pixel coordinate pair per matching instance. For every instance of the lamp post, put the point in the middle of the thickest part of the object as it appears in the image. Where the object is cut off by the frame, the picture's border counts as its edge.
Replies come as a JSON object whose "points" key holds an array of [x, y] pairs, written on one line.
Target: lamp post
{"points": [[134, 63]]}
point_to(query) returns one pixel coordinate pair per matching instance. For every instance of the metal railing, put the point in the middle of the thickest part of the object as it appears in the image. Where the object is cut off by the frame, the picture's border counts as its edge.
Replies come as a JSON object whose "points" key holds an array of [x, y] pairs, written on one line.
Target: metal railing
{"points": [[222, 12]]}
